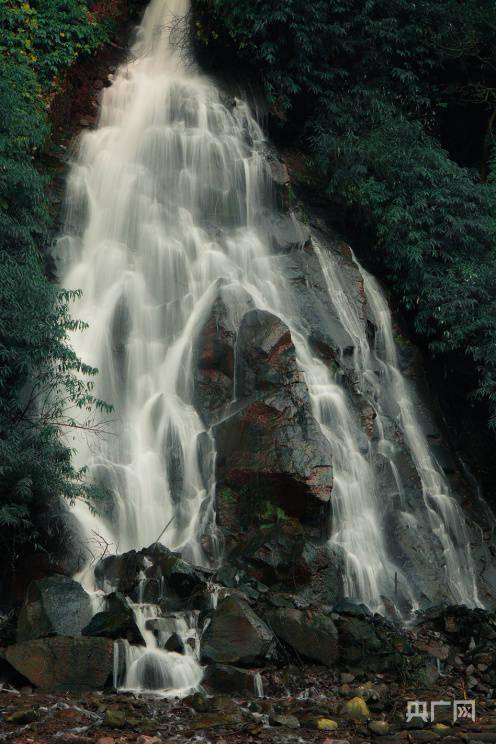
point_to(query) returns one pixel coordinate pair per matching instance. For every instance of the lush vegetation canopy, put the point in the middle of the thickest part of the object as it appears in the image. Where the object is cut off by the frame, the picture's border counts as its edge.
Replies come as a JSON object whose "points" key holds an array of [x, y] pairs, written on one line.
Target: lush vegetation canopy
{"points": [[394, 103], [44, 388]]}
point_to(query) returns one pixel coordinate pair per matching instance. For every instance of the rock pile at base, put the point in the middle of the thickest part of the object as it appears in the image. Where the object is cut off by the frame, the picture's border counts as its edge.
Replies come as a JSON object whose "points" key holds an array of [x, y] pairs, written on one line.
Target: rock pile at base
{"points": [[251, 630]]}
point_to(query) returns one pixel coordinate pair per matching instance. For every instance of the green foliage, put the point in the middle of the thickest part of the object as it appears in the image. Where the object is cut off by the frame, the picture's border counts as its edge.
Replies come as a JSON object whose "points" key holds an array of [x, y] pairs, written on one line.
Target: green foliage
{"points": [[45, 391], [272, 514], [366, 86]]}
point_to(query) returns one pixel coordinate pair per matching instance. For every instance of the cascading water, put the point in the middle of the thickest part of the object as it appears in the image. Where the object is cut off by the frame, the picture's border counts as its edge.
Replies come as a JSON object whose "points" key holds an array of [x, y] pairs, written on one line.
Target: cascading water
{"points": [[171, 198], [443, 512], [380, 381], [154, 667]]}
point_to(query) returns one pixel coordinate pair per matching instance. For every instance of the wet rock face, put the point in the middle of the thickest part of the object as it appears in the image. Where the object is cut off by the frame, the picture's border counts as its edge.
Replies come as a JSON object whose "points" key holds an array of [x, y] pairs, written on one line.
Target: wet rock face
{"points": [[236, 635], [63, 663], [272, 443], [311, 634], [155, 574], [420, 553], [266, 357], [214, 354], [283, 557], [214, 367], [117, 621], [53, 606], [313, 307]]}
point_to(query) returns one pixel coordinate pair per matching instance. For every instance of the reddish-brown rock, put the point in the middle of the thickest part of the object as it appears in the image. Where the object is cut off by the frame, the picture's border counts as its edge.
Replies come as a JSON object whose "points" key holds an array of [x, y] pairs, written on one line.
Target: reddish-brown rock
{"points": [[62, 663]]}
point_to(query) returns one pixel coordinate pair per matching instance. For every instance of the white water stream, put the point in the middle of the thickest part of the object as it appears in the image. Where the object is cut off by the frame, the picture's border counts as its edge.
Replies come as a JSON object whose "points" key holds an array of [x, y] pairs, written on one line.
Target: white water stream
{"points": [[166, 203], [445, 516]]}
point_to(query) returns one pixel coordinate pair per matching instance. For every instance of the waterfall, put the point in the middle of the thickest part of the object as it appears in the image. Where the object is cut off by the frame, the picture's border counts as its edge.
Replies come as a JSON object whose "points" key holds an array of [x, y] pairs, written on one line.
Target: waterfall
{"points": [[381, 382], [170, 198], [444, 514]]}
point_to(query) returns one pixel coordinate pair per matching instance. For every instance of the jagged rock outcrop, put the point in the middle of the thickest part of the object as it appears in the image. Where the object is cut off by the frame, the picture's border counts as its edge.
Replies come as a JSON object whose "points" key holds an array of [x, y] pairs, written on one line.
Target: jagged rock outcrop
{"points": [[53, 606], [116, 621], [235, 635], [153, 574], [271, 446]]}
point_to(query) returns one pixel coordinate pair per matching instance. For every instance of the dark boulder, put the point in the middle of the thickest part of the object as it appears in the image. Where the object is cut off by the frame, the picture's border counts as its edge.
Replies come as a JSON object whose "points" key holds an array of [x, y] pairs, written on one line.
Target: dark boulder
{"points": [[271, 452], [371, 643], [63, 664], [234, 634], [53, 606], [358, 639], [154, 574], [462, 626], [158, 625], [117, 621], [121, 572], [310, 633], [274, 555], [175, 643], [353, 609], [283, 557], [181, 577], [230, 680]]}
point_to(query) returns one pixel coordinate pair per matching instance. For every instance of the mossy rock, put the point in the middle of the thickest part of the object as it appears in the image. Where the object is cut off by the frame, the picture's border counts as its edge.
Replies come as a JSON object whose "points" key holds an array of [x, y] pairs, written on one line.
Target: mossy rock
{"points": [[355, 709], [441, 729], [379, 728], [326, 724], [114, 718]]}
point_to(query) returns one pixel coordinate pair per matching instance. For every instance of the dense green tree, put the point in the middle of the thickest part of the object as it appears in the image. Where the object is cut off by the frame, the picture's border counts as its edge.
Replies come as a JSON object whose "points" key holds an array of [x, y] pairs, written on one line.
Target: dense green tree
{"points": [[372, 90], [45, 390]]}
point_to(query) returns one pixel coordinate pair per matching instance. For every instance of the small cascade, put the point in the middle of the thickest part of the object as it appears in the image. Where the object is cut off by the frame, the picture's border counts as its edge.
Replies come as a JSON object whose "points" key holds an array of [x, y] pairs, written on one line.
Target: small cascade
{"points": [[154, 668], [259, 690]]}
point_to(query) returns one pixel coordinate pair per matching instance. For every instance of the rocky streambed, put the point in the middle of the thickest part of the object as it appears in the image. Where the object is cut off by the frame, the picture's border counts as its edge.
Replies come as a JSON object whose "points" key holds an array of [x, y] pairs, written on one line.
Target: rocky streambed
{"points": [[277, 666]]}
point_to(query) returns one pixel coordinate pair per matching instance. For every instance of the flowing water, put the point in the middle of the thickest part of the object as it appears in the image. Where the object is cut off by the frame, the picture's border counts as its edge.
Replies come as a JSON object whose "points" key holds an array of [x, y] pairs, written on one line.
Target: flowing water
{"points": [[169, 202], [153, 667], [444, 514]]}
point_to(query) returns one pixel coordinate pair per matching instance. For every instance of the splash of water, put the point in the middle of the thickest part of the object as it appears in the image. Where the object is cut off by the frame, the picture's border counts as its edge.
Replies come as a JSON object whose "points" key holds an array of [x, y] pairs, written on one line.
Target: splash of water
{"points": [[153, 668]]}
